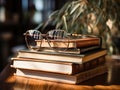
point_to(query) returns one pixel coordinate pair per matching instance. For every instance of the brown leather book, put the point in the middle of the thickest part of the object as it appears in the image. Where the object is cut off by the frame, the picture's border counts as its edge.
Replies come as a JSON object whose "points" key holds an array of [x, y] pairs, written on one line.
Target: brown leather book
{"points": [[70, 43]]}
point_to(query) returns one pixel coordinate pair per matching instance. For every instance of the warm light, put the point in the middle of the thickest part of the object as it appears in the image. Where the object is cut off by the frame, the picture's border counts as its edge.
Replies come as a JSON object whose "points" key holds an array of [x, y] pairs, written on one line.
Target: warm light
{"points": [[2, 14]]}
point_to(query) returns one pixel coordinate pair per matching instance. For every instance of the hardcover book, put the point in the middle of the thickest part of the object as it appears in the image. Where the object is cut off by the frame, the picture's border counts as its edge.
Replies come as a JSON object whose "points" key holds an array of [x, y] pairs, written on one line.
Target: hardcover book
{"points": [[73, 43], [71, 50], [63, 78], [53, 56], [56, 66]]}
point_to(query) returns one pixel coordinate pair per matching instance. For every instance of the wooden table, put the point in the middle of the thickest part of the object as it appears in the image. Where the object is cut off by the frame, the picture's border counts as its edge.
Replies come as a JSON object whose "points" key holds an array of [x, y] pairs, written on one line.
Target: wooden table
{"points": [[10, 82]]}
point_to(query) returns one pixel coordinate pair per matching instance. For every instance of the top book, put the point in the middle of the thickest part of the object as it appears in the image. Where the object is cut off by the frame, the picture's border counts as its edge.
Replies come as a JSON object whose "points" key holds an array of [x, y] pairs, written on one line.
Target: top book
{"points": [[73, 43]]}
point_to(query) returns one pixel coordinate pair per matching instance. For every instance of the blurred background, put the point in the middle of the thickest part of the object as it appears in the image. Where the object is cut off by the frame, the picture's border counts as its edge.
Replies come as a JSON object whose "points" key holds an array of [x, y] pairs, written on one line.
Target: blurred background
{"points": [[17, 16]]}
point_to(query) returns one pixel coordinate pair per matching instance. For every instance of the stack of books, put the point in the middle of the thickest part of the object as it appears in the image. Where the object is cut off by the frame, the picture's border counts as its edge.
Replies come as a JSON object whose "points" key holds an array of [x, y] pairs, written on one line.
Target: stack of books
{"points": [[71, 68]]}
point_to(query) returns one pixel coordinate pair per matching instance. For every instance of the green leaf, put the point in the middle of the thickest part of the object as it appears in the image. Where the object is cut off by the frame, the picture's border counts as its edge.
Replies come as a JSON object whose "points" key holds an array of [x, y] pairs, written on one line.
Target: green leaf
{"points": [[65, 23], [74, 8], [54, 14]]}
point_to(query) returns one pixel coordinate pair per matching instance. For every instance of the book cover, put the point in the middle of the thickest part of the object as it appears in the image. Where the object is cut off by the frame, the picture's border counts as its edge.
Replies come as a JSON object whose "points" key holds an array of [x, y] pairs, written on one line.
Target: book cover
{"points": [[53, 56], [56, 66], [71, 79]]}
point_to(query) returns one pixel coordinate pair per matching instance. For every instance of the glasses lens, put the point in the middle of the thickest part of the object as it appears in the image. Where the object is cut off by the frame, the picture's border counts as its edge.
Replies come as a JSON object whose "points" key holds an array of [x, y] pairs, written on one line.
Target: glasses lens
{"points": [[31, 36], [58, 40]]}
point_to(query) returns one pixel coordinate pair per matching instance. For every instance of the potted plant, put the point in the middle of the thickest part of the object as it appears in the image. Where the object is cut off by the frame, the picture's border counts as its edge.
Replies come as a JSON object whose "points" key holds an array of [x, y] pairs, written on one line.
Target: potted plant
{"points": [[97, 17]]}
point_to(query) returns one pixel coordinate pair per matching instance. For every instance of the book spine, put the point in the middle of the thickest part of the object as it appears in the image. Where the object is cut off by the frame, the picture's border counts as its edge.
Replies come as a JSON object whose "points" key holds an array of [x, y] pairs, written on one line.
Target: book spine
{"points": [[88, 43], [89, 65], [94, 63], [91, 73]]}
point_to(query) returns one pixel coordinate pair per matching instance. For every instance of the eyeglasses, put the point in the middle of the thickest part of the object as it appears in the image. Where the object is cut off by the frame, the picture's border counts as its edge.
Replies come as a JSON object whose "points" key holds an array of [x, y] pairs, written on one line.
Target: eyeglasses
{"points": [[57, 40]]}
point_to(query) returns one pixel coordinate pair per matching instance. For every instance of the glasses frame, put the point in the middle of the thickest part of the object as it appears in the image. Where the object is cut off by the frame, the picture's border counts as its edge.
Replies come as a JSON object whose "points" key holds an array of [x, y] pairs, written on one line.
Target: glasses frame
{"points": [[56, 36]]}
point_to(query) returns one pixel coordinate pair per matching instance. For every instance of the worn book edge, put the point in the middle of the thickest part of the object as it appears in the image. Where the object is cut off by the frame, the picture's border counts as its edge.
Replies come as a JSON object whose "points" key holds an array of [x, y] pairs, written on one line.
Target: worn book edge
{"points": [[71, 79]]}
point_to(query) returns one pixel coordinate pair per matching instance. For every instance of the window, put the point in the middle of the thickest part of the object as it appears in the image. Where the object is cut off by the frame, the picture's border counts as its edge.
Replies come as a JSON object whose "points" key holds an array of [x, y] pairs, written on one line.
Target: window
{"points": [[37, 10]]}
